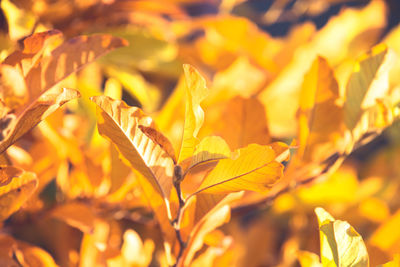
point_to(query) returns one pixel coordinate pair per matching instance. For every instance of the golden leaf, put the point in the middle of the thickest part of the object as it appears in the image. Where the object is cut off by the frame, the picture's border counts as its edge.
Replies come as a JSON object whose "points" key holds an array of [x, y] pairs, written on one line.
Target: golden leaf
{"points": [[67, 58], [32, 52], [254, 168], [341, 245], [13, 194], [210, 148], [122, 125], [368, 82], [320, 116], [244, 122], [196, 91], [13, 127]]}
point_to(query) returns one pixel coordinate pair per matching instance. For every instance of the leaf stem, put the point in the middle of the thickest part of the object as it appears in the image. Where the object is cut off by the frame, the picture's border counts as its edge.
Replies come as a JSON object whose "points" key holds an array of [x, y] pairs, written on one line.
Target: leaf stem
{"points": [[178, 178]]}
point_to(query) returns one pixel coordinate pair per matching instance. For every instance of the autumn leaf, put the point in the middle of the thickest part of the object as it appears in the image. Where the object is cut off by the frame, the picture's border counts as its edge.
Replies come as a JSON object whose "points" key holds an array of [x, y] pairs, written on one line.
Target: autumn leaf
{"points": [[13, 127], [123, 126], [17, 189], [217, 216], [244, 123], [340, 244], [253, 168], [368, 82], [32, 51], [210, 148], [67, 58], [196, 91], [320, 115]]}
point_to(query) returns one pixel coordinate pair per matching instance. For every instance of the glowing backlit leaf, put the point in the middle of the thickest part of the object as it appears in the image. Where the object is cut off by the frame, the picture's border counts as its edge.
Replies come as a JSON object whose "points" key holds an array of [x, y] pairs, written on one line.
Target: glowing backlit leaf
{"points": [[320, 117], [13, 127], [194, 115], [34, 46], [123, 126], [254, 168], [368, 83], [16, 191], [67, 58], [210, 148], [341, 245]]}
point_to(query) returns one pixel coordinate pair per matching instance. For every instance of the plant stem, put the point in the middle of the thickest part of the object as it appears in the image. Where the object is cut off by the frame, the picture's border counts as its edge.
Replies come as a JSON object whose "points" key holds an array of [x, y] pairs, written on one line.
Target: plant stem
{"points": [[178, 177]]}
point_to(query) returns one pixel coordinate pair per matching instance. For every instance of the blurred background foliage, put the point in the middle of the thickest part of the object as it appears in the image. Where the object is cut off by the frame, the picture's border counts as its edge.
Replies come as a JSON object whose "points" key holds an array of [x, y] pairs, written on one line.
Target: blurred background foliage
{"points": [[252, 53]]}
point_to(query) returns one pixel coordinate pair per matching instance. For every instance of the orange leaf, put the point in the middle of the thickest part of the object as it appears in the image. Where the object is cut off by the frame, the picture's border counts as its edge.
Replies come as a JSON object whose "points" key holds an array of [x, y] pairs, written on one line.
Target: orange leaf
{"points": [[13, 127], [19, 187], [68, 58]]}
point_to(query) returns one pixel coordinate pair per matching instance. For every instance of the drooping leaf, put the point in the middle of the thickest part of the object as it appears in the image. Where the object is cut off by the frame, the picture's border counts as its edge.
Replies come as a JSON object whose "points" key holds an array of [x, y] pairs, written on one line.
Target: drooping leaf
{"points": [[210, 148], [320, 116], [340, 244], [13, 194], [13, 127], [254, 168], [122, 125], [32, 51], [67, 58], [368, 82], [196, 91]]}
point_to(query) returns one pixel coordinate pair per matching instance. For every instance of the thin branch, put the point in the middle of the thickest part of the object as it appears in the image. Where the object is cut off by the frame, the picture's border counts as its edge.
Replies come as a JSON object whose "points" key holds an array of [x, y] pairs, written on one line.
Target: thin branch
{"points": [[178, 178]]}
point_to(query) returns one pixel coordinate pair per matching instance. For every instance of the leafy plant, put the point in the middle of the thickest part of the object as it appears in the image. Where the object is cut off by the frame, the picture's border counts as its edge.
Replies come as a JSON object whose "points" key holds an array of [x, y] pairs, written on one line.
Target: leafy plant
{"points": [[219, 164]]}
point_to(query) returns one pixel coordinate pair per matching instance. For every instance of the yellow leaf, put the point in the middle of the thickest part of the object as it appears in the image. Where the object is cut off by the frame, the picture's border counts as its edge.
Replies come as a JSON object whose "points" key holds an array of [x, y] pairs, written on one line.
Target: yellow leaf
{"points": [[254, 168], [196, 91], [122, 125], [341, 245], [210, 148], [368, 82], [14, 126], [16, 191], [32, 52], [68, 58], [320, 116], [244, 122], [217, 216]]}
